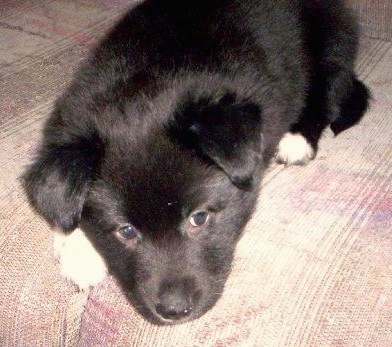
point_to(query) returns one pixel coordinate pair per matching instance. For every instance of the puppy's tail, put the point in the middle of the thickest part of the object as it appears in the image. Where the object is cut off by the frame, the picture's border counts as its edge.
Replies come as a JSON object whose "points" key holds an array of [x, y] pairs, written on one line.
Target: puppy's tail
{"points": [[353, 107]]}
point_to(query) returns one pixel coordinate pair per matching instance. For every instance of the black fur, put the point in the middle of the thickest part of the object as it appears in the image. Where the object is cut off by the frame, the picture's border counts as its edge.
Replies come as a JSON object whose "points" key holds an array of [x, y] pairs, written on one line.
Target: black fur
{"points": [[179, 109]]}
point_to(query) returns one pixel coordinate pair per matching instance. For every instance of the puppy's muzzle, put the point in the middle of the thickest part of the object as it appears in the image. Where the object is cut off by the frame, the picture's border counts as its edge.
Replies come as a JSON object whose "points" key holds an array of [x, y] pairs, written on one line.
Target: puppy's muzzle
{"points": [[177, 299]]}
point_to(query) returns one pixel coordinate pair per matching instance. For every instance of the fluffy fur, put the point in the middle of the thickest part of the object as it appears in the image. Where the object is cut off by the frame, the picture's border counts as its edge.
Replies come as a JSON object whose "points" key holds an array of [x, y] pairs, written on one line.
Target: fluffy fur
{"points": [[157, 149]]}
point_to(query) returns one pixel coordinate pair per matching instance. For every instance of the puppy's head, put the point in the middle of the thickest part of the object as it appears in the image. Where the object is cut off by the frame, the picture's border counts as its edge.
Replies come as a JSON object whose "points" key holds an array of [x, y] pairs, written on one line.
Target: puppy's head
{"points": [[164, 208]]}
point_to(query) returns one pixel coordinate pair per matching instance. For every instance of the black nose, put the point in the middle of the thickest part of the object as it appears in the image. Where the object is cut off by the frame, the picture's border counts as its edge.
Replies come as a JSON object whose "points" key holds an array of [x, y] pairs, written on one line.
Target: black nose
{"points": [[177, 299], [174, 312]]}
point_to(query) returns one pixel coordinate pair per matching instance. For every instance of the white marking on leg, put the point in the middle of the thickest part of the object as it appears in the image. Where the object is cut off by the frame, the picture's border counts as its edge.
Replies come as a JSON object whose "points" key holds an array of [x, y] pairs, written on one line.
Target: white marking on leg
{"points": [[58, 242], [79, 261], [294, 149]]}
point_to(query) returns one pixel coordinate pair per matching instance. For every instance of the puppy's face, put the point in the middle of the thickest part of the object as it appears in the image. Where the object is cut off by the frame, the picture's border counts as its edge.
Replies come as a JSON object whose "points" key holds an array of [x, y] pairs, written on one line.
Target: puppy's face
{"points": [[165, 207], [166, 222]]}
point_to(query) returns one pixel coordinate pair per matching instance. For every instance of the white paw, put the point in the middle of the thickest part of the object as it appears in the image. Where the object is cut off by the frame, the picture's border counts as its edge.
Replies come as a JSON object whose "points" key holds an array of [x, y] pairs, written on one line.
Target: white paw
{"points": [[293, 149], [79, 261]]}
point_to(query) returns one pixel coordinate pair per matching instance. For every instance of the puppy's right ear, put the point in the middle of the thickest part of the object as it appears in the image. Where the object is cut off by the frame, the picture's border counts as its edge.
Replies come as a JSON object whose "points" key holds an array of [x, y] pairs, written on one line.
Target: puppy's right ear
{"points": [[227, 131], [58, 181]]}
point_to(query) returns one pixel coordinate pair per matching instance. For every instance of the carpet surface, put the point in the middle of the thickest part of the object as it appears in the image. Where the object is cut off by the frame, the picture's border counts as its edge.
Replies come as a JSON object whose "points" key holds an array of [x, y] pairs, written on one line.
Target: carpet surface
{"points": [[314, 267]]}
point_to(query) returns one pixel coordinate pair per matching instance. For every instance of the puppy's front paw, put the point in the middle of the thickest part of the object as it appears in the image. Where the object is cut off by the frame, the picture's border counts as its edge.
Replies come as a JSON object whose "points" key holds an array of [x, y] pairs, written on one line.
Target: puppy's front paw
{"points": [[294, 149], [79, 261]]}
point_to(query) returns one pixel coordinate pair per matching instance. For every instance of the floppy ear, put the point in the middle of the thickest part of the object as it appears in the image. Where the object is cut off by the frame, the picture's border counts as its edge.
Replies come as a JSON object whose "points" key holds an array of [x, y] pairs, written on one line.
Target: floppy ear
{"points": [[58, 181], [228, 132]]}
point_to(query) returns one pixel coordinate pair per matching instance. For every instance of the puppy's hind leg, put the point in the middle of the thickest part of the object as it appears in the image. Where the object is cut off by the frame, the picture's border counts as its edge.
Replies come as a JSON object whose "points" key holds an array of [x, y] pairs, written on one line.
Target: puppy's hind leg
{"points": [[79, 262], [353, 106], [294, 149], [335, 96], [340, 100], [299, 145]]}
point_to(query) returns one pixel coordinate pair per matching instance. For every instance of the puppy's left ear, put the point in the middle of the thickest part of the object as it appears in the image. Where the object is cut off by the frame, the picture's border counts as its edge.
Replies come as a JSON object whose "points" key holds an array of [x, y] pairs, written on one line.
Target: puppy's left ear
{"points": [[58, 181], [226, 131]]}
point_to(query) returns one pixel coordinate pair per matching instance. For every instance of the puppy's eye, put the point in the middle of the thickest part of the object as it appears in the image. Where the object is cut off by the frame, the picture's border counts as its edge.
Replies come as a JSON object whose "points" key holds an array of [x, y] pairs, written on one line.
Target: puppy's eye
{"points": [[199, 218], [128, 234]]}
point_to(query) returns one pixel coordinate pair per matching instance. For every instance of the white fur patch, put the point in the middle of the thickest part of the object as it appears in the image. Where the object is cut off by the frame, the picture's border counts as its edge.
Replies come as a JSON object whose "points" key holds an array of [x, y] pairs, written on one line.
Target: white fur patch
{"points": [[79, 261], [293, 149]]}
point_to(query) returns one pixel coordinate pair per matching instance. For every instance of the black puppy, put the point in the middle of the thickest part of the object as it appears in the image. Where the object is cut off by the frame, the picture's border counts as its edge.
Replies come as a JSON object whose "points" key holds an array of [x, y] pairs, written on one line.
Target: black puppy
{"points": [[157, 148]]}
